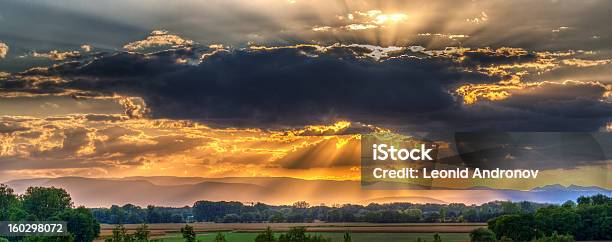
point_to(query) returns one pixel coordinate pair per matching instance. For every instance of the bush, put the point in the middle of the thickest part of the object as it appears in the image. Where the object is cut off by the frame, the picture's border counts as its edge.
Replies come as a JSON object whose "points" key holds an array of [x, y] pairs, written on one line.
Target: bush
{"points": [[482, 235], [220, 238], [142, 233], [119, 234], [347, 237], [266, 236], [294, 234], [437, 238], [188, 234]]}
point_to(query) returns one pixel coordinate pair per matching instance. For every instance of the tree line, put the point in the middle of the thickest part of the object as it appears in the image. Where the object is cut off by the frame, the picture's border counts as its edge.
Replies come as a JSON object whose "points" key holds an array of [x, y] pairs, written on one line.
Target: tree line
{"points": [[132, 214], [236, 212]]}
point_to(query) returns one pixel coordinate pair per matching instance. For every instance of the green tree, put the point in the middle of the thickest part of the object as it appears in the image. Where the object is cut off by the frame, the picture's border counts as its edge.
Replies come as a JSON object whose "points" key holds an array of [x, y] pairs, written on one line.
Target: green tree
{"points": [[583, 201], [188, 234], [443, 211], [294, 235], [81, 224], [600, 199], [8, 200], [45, 202], [142, 233], [471, 215], [482, 235], [563, 220], [301, 204], [510, 208], [3, 240], [119, 234], [413, 215], [347, 237], [220, 238], [596, 222], [569, 204], [518, 227], [432, 217], [266, 236]]}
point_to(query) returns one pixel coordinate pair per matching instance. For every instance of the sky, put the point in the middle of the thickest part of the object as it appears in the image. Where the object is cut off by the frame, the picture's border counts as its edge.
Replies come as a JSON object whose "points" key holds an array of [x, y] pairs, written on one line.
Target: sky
{"points": [[284, 87]]}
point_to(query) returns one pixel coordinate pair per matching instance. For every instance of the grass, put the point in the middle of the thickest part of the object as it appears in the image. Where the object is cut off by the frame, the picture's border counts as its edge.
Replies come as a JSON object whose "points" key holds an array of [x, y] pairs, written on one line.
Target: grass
{"points": [[336, 237]]}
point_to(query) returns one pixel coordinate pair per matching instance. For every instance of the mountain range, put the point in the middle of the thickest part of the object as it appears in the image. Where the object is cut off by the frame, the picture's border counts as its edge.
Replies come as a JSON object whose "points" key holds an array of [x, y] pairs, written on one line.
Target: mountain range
{"points": [[184, 191]]}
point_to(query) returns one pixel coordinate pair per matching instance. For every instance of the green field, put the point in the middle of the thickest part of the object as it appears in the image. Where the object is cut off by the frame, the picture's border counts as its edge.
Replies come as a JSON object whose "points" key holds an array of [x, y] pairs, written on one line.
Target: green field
{"points": [[336, 237]]}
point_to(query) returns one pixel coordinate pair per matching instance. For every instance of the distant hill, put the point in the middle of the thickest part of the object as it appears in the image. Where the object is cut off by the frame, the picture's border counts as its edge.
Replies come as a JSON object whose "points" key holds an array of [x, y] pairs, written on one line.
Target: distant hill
{"points": [[570, 188], [420, 200], [93, 192], [184, 191]]}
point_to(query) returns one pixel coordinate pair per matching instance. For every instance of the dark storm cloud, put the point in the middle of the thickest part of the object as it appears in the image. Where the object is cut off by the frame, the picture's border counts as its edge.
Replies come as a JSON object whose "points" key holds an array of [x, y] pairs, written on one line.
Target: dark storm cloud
{"points": [[531, 150], [281, 85], [475, 58], [300, 85]]}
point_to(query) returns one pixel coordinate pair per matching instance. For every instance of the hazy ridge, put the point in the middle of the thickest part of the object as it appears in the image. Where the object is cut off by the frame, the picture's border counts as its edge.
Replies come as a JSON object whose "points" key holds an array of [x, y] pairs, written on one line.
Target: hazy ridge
{"points": [[184, 191]]}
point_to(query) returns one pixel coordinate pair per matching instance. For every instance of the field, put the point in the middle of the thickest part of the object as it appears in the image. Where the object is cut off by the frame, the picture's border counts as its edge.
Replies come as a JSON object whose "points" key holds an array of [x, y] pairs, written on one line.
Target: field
{"points": [[243, 232], [335, 236]]}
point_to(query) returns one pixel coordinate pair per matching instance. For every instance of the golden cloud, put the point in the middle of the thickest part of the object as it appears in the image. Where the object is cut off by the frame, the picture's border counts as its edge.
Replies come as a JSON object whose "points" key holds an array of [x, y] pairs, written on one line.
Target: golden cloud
{"points": [[109, 144], [3, 50], [585, 63], [472, 93], [480, 19], [57, 55], [360, 26], [158, 38], [86, 48], [321, 28]]}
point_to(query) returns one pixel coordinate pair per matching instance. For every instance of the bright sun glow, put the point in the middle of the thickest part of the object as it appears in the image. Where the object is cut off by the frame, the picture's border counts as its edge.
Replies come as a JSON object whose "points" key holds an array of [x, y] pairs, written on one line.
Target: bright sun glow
{"points": [[391, 18]]}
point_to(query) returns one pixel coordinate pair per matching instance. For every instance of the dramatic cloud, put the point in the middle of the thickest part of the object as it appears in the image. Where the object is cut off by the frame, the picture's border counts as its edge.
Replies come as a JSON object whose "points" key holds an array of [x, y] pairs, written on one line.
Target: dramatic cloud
{"points": [[305, 84], [282, 85], [114, 144]]}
